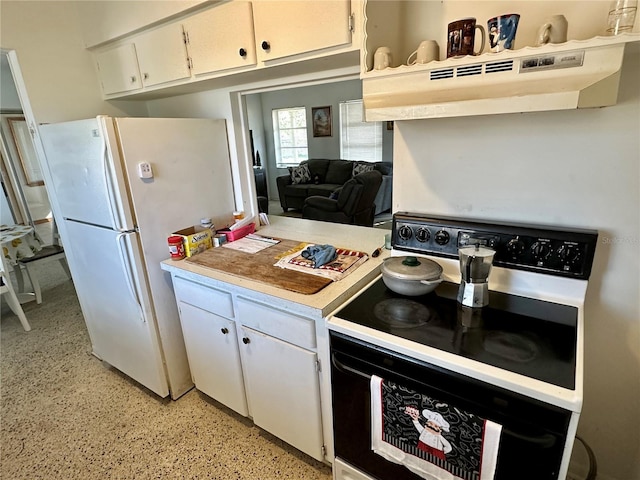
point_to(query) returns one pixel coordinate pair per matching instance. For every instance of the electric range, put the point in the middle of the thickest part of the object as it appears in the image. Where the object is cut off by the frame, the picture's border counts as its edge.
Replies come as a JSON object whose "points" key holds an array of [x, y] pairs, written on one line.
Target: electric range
{"points": [[525, 346]]}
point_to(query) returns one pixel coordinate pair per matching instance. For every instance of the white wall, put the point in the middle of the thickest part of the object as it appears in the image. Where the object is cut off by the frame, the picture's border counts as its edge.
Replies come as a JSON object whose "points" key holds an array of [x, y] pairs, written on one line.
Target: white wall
{"points": [[102, 21], [573, 168], [58, 71]]}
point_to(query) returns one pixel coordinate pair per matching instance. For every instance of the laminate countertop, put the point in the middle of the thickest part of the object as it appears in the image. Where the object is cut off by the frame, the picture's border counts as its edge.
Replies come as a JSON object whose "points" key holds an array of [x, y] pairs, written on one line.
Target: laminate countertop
{"points": [[317, 305]]}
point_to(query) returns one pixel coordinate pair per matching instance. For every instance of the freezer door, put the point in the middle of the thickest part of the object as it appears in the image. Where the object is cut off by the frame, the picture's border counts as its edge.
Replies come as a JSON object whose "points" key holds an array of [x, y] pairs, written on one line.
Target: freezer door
{"points": [[189, 159], [115, 301], [87, 183]]}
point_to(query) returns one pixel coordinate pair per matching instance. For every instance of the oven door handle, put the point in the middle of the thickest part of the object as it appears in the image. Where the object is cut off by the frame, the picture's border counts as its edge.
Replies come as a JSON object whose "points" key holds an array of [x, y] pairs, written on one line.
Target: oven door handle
{"points": [[542, 441], [341, 366]]}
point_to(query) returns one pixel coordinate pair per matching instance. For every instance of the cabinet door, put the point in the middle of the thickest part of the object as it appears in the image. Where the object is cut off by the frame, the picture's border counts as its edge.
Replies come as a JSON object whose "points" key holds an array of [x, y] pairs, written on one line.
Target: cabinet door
{"points": [[118, 69], [221, 38], [283, 390], [214, 358], [162, 55], [289, 27]]}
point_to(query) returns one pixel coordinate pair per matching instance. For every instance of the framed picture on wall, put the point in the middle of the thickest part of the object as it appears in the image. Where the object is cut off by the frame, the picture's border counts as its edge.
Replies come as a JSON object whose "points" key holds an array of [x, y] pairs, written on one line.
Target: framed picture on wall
{"points": [[26, 152], [321, 121]]}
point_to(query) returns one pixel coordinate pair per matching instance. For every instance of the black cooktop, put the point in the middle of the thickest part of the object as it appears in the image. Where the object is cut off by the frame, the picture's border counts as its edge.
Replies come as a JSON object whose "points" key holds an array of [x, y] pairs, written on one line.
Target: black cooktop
{"points": [[530, 337]]}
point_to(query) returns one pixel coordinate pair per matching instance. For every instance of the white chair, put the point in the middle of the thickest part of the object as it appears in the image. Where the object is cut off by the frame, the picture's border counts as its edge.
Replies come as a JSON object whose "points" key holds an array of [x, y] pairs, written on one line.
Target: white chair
{"points": [[12, 299], [47, 254]]}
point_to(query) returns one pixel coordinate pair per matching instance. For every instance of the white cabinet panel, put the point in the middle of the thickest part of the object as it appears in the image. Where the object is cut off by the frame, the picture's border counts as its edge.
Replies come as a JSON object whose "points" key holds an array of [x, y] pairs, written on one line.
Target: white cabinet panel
{"points": [[284, 390], [214, 359], [162, 55], [290, 27], [221, 38], [118, 68], [207, 298]]}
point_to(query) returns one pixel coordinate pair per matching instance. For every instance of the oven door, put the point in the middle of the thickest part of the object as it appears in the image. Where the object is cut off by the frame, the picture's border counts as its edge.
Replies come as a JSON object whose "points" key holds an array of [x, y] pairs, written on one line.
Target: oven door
{"points": [[533, 433]]}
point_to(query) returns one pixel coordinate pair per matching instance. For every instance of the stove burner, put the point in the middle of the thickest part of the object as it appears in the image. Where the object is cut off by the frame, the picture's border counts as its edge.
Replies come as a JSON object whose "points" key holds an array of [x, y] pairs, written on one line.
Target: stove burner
{"points": [[402, 313], [511, 346]]}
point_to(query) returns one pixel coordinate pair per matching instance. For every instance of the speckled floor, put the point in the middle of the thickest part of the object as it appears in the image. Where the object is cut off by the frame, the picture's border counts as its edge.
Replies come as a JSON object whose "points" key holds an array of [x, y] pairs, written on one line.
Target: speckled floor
{"points": [[65, 415]]}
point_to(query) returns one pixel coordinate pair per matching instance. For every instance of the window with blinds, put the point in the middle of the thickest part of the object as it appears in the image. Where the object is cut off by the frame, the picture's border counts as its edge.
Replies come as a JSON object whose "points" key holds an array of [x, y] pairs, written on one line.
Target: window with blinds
{"points": [[359, 140], [290, 136]]}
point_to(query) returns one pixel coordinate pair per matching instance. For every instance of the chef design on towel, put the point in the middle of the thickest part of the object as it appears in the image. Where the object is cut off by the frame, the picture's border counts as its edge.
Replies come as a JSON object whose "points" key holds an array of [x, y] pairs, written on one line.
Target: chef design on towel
{"points": [[431, 439]]}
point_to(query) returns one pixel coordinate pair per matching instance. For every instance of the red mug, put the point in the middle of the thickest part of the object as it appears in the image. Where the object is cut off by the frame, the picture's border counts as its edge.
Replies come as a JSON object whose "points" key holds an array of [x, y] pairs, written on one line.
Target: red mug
{"points": [[461, 36]]}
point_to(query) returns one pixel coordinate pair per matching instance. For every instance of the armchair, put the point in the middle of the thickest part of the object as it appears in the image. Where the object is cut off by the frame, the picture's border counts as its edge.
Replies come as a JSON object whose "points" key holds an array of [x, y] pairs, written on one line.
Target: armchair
{"points": [[354, 203]]}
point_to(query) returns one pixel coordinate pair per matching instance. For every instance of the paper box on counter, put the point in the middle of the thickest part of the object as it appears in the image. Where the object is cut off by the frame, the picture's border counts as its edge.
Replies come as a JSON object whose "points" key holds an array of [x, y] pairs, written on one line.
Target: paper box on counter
{"points": [[196, 240]]}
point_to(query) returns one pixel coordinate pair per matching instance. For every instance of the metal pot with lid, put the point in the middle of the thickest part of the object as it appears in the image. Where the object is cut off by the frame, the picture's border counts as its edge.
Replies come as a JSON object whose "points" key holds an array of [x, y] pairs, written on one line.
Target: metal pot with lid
{"points": [[411, 276]]}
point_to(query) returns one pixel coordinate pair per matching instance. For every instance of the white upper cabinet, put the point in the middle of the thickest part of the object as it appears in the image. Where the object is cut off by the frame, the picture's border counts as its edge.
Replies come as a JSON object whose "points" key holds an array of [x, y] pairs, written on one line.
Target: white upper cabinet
{"points": [[291, 27], [221, 38], [162, 55], [118, 69], [231, 37]]}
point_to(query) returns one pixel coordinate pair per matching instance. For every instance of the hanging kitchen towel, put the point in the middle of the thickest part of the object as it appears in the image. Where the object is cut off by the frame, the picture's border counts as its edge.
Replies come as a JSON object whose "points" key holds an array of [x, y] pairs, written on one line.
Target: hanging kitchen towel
{"points": [[432, 438]]}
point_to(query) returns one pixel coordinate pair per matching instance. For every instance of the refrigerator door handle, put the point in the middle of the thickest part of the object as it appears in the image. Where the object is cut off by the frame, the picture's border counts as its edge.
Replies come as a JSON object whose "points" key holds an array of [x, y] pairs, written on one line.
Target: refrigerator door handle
{"points": [[126, 266], [109, 186]]}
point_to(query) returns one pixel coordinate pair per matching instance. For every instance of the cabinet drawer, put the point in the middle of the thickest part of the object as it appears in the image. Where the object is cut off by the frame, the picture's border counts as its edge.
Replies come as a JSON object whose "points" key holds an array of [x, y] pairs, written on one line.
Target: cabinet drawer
{"points": [[207, 298], [277, 323]]}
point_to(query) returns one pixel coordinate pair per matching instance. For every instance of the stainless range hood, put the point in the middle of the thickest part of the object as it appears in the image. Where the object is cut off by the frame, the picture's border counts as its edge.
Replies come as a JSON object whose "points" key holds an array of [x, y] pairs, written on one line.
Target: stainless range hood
{"points": [[576, 74]]}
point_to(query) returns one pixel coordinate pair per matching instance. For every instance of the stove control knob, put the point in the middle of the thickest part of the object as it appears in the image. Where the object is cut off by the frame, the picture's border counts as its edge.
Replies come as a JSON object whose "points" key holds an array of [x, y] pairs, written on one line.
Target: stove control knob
{"points": [[442, 237], [405, 232], [569, 255], [423, 234], [540, 251], [515, 247]]}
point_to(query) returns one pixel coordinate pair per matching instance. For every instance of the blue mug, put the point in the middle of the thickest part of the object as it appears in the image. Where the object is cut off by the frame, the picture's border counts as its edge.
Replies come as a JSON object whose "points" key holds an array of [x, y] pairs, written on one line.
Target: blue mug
{"points": [[502, 31]]}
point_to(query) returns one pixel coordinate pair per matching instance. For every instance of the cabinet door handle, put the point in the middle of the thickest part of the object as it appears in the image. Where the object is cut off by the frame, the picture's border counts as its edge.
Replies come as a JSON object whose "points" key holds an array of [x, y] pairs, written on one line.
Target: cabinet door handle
{"points": [[242, 52], [265, 45], [146, 76], [246, 340], [133, 79], [224, 330]]}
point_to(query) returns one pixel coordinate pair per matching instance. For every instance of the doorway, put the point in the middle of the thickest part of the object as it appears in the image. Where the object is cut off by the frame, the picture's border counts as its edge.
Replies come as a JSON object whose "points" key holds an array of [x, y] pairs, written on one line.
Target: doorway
{"points": [[24, 199], [258, 106]]}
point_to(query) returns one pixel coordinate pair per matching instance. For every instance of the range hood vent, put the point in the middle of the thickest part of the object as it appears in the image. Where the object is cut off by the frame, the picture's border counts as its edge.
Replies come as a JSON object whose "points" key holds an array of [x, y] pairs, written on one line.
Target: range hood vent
{"points": [[494, 67], [440, 74], [576, 74], [475, 69]]}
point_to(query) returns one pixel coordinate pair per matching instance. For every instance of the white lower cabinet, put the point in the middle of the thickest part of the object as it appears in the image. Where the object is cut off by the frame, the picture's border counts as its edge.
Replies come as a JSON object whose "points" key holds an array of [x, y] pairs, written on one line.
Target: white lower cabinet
{"points": [[214, 359], [283, 389], [257, 360]]}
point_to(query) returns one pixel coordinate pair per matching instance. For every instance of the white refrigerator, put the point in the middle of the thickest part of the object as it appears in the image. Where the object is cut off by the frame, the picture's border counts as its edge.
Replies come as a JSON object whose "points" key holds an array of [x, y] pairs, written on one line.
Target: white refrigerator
{"points": [[114, 225]]}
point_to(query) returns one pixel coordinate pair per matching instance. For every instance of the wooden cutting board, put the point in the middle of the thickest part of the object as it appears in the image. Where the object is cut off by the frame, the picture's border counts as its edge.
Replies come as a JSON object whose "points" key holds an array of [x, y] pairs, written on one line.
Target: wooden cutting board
{"points": [[259, 267]]}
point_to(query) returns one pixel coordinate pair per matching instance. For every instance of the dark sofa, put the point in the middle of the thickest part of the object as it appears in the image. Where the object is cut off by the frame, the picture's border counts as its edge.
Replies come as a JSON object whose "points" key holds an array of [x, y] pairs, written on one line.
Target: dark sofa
{"points": [[326, 176]]}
